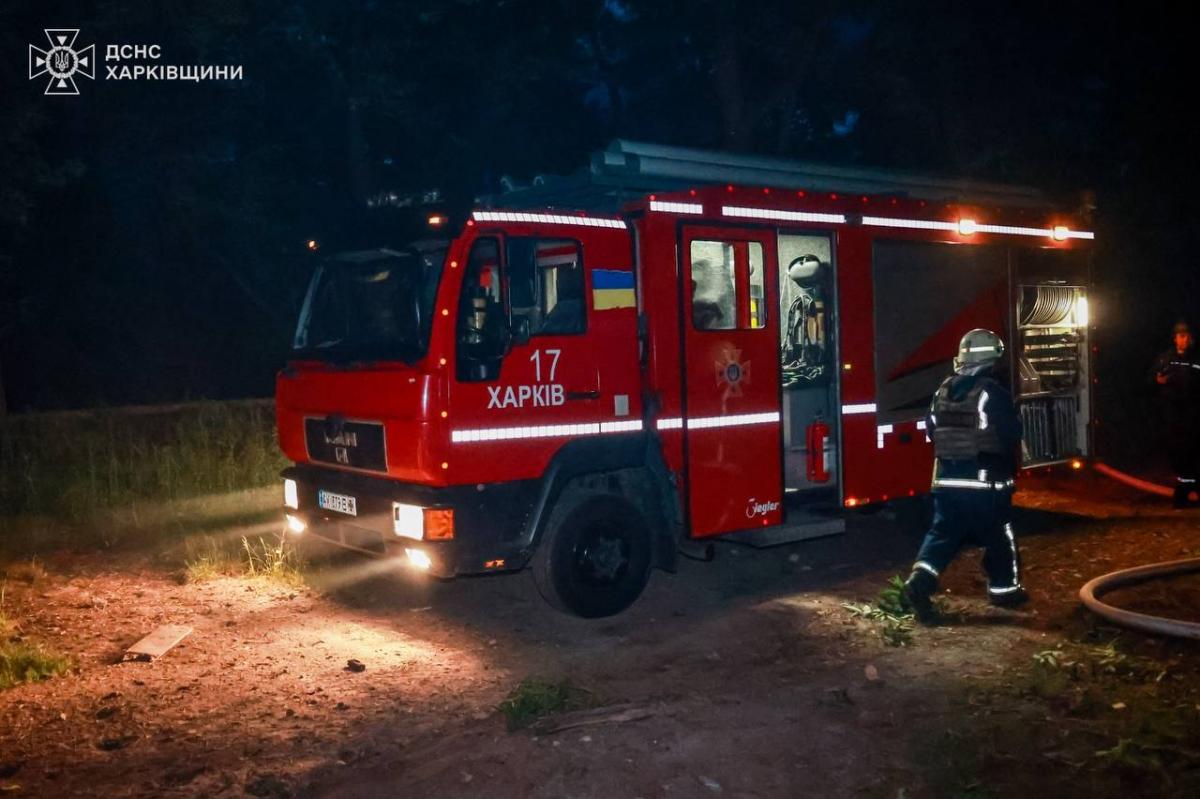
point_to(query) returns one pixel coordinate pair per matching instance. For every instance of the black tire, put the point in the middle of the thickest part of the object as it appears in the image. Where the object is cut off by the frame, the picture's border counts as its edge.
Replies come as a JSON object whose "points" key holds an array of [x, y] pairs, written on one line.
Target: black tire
{"points": [[594, 558]]}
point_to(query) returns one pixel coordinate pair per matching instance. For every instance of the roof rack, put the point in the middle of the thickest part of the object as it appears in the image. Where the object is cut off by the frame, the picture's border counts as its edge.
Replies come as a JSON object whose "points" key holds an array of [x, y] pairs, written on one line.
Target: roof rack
{"points": [[626, 170]]}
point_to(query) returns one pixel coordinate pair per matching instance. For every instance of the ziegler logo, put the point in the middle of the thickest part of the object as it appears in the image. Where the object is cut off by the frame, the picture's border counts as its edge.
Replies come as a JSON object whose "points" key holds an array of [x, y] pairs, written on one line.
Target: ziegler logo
{"points": [[756, 508]]}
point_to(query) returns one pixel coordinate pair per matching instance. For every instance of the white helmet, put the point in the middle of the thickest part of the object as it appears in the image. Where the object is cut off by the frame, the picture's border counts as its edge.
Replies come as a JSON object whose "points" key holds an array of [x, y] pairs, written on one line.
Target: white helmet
{"points": [[978, 346], [804, 268]]}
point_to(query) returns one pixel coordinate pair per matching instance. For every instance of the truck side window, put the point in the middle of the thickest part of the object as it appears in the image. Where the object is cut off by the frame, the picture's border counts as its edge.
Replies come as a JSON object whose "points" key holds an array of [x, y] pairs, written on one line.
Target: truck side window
{"points": [[546, 284], [758, 290], [482, 321], [714, 285]]}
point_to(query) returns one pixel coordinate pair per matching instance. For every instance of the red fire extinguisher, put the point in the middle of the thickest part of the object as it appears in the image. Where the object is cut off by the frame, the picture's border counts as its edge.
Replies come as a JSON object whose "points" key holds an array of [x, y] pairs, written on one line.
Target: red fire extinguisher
{"points": [[814, 443]]}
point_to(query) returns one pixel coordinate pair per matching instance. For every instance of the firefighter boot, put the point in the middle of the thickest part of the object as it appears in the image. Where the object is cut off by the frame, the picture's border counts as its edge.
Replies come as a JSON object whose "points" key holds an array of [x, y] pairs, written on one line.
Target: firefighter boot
{"points": [[1009, 599], [918, 589]]}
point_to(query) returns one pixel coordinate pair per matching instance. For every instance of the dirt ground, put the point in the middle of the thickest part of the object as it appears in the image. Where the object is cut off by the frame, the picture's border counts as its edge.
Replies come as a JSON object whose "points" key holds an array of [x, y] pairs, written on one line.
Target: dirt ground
{"points": [[744, 677]]}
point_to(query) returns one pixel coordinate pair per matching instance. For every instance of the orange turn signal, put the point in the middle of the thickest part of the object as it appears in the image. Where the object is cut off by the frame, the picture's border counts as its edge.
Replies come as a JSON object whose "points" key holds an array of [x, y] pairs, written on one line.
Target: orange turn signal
{"points": [[439, 524]]}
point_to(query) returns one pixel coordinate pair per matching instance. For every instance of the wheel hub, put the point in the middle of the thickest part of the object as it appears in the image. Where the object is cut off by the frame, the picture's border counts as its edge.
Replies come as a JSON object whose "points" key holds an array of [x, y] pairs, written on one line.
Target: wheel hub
{"points": [[603, 557]]}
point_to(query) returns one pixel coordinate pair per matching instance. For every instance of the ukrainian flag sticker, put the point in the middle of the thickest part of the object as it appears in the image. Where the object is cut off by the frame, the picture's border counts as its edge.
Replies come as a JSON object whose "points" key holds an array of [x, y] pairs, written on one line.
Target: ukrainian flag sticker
{"points": [[612, 288]]}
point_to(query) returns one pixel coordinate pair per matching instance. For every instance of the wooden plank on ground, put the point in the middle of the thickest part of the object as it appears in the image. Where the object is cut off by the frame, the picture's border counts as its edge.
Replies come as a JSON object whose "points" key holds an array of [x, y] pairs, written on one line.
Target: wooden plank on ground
{"points": [[157, 643]]}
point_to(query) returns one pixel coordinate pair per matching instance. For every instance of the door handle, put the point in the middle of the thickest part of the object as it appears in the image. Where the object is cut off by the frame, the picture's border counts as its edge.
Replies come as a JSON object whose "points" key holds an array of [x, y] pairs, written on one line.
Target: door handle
{"points": [[584, 395]]}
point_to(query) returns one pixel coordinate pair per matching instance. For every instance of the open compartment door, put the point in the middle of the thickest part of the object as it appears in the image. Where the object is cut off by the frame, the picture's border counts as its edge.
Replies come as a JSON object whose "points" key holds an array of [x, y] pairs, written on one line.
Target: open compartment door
{"points": [[731, 379]]}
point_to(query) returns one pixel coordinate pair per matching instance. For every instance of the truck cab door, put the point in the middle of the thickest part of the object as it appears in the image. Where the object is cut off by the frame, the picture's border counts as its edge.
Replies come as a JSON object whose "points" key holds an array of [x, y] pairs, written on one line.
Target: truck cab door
{"points": [[733, 444]]}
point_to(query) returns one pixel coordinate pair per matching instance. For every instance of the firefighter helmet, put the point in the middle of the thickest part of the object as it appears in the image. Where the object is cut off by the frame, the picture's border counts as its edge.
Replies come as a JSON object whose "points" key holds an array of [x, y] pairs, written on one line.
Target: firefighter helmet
{"points": [[804, 268], [978, 346]]}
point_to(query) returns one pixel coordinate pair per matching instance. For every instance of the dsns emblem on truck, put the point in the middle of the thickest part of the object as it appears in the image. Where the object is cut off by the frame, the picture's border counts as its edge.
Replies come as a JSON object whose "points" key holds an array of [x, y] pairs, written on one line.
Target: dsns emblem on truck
{"points": [[732, 372], [339, 438]]}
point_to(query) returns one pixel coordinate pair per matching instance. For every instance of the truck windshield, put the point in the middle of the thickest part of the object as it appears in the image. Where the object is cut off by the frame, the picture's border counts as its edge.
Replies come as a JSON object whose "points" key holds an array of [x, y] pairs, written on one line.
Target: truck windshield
{"points": [[371, 305]]}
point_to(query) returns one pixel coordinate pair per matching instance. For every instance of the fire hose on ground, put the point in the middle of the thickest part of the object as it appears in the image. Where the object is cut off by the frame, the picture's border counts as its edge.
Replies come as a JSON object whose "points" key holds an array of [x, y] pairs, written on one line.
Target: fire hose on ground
{"points": [[1093, 589], [1130, 480]]}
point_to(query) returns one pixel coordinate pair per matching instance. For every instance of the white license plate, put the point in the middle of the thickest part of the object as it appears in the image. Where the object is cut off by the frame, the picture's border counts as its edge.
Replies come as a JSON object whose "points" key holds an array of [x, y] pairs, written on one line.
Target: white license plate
{"points": [[337, 502]]}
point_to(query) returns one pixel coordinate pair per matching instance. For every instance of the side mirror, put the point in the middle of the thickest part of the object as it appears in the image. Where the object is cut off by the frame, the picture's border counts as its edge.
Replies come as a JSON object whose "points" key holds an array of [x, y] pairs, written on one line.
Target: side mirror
{"points": [[520, 330]]}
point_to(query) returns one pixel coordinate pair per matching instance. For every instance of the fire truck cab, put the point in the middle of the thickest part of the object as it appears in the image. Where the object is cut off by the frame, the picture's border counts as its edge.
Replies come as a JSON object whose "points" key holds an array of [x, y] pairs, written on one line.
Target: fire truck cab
{"points": [[720, 346]]}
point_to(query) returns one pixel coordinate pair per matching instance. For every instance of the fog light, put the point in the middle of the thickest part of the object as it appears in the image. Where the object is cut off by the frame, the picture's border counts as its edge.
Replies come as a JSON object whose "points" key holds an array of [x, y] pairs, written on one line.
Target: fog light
{"points": [[408, 520], [294, 525], [418, 559], [291, 495], [1076, 464]]}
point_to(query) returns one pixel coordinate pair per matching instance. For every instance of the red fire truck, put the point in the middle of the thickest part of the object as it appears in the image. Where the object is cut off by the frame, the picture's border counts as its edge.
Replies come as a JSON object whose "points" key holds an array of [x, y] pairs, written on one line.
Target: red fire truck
{"points": [[739, 347]]}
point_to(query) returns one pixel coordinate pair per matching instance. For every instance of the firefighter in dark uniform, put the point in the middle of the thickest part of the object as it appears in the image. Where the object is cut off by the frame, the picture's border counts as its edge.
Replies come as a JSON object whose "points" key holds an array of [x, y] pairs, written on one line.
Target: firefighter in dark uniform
{"points": [[1177, 374], [976, 433]]}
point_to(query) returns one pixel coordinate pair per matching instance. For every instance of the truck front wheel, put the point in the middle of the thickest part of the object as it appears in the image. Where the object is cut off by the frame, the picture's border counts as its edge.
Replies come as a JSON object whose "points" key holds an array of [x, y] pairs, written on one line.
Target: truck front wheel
{"points": [[594, 559]]}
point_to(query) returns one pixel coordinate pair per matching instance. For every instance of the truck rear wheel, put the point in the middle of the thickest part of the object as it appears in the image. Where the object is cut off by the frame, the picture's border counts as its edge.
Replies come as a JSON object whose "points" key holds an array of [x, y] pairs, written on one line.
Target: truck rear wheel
{"points": [[594, 559]]}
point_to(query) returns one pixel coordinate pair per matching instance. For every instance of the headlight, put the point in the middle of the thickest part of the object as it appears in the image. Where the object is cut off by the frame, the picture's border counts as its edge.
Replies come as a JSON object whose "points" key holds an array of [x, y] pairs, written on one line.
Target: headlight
{"points": [[408, 520], [291, 495]]}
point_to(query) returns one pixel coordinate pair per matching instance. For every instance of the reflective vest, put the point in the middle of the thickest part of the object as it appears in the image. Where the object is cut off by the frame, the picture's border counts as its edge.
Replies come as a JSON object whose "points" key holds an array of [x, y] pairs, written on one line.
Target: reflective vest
{"points": [[962, 430]]}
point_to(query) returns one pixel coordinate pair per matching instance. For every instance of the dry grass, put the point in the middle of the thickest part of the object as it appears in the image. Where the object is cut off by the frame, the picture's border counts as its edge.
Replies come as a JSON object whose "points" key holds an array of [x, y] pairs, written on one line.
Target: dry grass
{"points": [[24, 571], [209, 557], [273, 558]]}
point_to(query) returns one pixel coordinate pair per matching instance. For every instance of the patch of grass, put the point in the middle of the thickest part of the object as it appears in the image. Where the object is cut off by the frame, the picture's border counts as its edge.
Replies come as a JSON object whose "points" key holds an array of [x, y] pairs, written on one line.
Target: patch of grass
{"points": [[891, 612], [271, 557], [21, 662], [535, 698], [72, 467], [1048, 682], [1084, 662], [274, 558], [6, 624], [208, 557], [1080, 674], [1152, 740], [1148, 721], [24, 571]]}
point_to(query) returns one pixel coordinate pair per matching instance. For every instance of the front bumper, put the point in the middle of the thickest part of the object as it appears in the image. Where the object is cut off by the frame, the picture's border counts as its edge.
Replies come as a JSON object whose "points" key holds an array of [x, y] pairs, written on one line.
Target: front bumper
{"points": [[490, 520]]}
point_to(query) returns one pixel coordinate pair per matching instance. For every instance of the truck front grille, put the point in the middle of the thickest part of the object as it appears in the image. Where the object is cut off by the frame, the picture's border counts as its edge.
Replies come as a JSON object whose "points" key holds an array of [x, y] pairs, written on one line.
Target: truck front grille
{"points": [[355, 445]]}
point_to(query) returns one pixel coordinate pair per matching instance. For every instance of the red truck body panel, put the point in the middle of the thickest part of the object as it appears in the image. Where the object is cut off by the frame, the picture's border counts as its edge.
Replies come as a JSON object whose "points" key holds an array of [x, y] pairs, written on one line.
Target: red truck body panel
{"points": [[711, 397]]}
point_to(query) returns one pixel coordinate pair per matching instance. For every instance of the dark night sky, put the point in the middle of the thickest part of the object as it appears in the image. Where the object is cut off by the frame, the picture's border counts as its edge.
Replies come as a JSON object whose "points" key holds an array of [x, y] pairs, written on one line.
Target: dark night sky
{"points": [[151, 234]]}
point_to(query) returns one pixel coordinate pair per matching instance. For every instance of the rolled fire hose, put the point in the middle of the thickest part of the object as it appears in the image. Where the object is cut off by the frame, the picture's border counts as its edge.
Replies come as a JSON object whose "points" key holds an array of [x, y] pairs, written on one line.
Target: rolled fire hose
{"points": [[1140, 621], [1101, 585]]}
